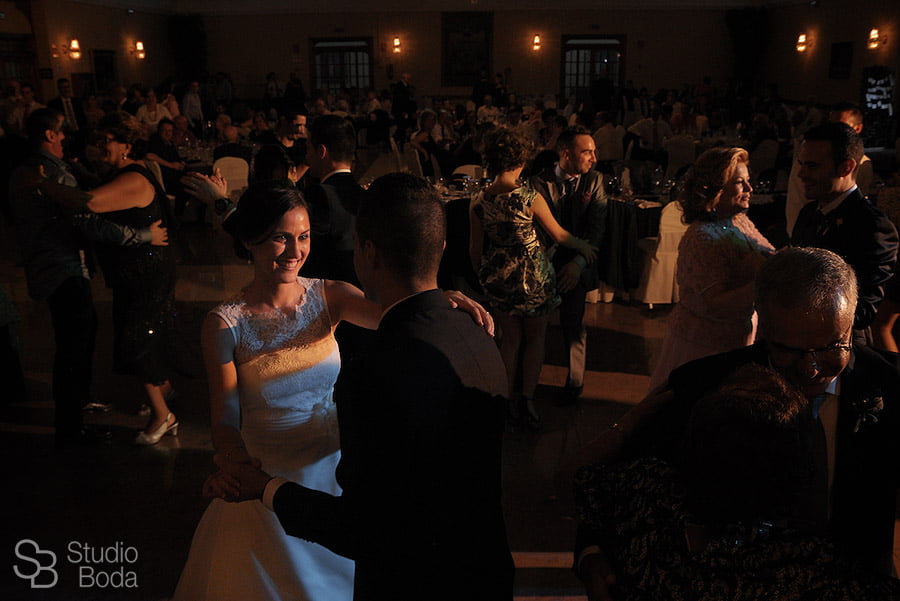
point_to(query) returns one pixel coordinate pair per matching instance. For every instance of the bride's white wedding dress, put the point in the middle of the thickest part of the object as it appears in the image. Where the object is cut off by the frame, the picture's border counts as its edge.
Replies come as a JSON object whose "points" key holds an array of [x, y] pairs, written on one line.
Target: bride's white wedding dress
{"points": [[287, 363]]}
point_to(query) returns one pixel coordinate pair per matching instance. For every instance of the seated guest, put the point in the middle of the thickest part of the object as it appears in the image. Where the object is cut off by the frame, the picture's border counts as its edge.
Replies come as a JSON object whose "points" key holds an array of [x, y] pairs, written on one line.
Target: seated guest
{"points": [[607, 141], [161, 148], [151, 113], [231, 147], [424, 142], [92, 111], [183, 135], [135, 99], [487, 111], [732, 524], [651, 133], [260, 132], [223, 120]]}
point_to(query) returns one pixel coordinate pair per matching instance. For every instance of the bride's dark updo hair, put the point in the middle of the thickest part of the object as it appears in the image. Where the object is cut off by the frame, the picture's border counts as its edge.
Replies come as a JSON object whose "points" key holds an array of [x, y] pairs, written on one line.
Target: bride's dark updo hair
{"points": [[260, 209]]}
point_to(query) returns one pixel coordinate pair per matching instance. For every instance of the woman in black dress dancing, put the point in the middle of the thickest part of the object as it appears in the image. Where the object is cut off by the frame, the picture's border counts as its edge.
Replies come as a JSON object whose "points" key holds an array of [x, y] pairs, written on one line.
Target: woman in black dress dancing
{"points": [[142, 277]]}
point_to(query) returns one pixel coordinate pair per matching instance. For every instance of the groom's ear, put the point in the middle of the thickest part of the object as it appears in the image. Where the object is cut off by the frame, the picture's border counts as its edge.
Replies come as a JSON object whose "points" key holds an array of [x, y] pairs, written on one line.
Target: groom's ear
{"points": [[371, 255]]}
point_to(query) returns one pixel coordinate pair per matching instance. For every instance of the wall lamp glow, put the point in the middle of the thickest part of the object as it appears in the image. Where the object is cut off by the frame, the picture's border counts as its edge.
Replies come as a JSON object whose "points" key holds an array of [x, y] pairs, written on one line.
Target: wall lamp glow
{"points": [[802, 44], [139, 50], [536, 42], [72, 50], [75, 49], [396, 45], [875, 39]]}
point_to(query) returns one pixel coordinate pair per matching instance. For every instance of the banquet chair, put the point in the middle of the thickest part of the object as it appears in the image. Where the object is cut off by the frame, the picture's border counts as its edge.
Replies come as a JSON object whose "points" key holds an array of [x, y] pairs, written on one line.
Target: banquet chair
{"points": [[681, 151], [413, 162], [436, 168], [236, 172], [658, 284], [398, 163], [153, 168], [473, 171]]}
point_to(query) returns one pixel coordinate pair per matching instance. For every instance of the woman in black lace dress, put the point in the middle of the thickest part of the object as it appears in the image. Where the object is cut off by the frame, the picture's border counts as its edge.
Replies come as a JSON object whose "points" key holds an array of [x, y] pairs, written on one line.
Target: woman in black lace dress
{"points": [[733, 522], [142, 277]]}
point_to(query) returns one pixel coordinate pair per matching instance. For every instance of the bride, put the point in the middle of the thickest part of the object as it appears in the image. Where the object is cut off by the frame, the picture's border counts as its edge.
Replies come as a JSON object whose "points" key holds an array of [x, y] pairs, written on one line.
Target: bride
{"points": [[271, 361]]}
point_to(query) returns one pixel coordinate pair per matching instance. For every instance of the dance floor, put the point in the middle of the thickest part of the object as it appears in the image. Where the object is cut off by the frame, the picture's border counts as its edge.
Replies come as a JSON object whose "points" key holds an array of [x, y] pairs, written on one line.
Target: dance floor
{"points": [[144, 502]]}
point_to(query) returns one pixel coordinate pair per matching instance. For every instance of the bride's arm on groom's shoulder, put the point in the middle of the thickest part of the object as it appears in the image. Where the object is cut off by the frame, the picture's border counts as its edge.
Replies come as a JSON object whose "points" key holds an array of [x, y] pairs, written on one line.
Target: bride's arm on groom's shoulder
{"points": [[217, 342], [346, 302]]}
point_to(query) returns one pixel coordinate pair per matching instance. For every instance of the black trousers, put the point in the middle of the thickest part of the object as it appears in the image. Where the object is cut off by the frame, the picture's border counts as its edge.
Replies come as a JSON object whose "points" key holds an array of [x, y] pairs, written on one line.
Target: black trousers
{"points": [[75, 332], [574, 331]]}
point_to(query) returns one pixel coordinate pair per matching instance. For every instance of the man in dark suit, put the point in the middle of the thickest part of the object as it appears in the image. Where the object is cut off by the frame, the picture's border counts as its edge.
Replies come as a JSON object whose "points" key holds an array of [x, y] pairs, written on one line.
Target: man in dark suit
{"points": [[806, 299], [840, 219], [69, 106], [574, 192], [421, 419], [333, 202]]}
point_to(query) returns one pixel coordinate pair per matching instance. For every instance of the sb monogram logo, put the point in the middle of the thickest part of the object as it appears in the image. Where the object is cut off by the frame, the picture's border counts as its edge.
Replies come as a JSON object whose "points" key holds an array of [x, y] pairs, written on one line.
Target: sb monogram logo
{"points": [[44, 576]]}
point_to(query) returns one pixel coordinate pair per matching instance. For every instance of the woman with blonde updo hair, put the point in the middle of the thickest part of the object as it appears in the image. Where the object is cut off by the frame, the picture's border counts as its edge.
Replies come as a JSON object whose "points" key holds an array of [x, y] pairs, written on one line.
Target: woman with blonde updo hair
{"points": [[515, 272], [718, 258]]}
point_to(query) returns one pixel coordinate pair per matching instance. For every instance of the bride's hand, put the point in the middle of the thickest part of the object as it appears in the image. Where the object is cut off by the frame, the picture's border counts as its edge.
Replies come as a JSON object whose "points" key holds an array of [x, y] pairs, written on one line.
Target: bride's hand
{"points": [[236, 455], [479, 314], [222, 486]]}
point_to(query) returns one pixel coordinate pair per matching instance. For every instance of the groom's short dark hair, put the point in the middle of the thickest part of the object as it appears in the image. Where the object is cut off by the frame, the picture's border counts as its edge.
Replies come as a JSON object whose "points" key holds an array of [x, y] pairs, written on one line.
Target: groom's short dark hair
{"points": [[403, 216]]}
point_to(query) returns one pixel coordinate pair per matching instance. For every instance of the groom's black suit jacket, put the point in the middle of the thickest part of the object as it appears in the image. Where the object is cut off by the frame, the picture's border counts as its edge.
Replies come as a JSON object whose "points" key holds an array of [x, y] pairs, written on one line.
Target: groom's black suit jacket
{"points": [[864, 492], [421, 417]]}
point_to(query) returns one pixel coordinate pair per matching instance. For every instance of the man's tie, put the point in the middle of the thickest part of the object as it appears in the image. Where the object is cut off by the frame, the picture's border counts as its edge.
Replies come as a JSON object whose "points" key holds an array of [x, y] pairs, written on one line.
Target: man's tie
{"points": [[569, 187], [819, 485]]}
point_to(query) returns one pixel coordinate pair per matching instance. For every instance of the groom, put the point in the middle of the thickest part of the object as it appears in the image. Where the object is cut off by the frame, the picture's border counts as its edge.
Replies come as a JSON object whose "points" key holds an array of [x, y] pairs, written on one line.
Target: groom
{"points": [[421, 418]]}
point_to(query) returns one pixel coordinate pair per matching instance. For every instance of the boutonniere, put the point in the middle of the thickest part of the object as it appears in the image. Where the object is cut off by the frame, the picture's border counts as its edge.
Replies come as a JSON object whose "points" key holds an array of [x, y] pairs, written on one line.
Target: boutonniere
{"points": [[586, 198], [867, 410]]}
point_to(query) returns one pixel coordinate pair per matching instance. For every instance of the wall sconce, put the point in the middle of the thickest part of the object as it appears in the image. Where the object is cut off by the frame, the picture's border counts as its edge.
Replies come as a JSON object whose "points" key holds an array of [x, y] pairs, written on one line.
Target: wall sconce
{"points": [[802, 44], [396, 44], [536, 42], [875, 40], [139, 51], [74, 49]]}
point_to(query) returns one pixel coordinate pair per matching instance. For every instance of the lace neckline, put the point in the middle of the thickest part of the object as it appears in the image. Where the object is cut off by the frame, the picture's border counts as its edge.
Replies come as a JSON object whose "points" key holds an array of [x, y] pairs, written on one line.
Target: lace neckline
{"points": [[289, 311]]}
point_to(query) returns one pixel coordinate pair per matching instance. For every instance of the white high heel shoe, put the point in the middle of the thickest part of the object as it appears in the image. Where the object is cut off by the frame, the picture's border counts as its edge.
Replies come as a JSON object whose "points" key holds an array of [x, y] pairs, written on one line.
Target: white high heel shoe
{"points": [[169, 426]]}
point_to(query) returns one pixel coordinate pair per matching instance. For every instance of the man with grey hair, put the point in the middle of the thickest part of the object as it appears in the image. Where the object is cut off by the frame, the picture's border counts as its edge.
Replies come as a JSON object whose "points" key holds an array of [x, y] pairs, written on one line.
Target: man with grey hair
{"points": [[806, 299]]}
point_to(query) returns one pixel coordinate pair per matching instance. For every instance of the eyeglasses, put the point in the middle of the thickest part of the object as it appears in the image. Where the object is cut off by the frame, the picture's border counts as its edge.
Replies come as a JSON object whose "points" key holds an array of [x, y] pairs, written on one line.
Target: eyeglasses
{"points": [[787, 355]]}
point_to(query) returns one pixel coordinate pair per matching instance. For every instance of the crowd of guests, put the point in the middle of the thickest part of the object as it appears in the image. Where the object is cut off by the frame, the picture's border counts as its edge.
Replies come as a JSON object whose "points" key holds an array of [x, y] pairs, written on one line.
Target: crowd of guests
{"points": [[762, 462]]}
